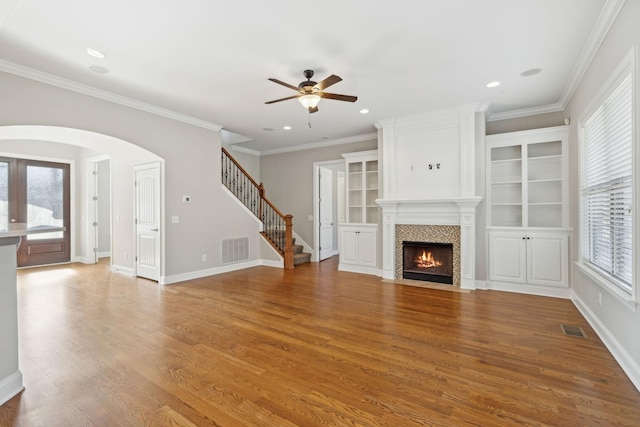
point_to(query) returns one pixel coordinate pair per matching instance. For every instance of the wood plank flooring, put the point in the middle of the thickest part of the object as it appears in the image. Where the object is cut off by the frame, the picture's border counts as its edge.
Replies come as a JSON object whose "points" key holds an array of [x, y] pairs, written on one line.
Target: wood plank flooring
{"points": [[308, 347]]}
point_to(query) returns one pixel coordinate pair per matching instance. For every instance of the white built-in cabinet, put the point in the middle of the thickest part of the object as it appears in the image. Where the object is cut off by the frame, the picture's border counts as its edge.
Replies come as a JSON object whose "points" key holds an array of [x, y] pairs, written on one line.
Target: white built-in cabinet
{"points": [[358, 237], [358, 245], [526, 211], [535, 258]]}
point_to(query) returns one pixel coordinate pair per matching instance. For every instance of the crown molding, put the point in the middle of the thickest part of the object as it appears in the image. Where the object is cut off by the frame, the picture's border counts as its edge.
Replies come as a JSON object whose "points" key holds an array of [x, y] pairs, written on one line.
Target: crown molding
{"points": [[603, 24], [320, 144], [30, 73], [600, 30], [524, 112]]}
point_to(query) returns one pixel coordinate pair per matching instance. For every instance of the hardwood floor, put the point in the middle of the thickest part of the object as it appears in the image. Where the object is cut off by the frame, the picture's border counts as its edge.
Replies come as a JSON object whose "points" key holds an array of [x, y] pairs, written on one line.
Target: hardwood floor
{"points": [[306, 347]]}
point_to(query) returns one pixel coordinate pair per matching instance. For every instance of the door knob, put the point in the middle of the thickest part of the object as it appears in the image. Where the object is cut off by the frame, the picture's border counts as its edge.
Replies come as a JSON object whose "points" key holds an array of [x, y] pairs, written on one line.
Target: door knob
{"points": [[13, 220]]}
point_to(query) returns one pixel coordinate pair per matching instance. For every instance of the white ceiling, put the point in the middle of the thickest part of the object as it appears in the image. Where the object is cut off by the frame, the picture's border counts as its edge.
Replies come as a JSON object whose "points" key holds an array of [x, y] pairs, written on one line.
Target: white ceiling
{"points": [[210, 59]]}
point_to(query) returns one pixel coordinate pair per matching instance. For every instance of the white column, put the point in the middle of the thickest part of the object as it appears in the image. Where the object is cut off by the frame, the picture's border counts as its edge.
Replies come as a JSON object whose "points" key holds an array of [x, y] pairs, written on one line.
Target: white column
{"points": [[467, 244], [388, 241]]}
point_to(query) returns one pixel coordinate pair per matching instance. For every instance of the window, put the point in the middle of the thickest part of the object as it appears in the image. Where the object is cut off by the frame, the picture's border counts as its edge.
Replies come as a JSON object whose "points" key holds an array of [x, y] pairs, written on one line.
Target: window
{"points": [[607, 185]]}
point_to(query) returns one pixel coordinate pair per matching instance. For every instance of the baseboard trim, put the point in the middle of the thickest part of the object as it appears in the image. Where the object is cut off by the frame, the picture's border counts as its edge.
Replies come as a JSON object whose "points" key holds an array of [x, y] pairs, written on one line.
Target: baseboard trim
{"points": [[626, 362], [124, 270], [358, 269], [272, 263], [10, 386], [105, 254], [523, 288], [480, 284], [176, 278]]}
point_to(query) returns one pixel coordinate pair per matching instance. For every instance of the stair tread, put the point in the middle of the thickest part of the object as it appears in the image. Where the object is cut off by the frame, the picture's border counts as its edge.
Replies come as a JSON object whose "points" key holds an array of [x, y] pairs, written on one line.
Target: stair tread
{"points": [[301, 258]]}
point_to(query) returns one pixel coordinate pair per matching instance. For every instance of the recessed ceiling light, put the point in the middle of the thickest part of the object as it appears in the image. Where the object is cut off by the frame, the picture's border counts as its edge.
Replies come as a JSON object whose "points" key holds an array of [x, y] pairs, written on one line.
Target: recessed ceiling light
{"points": [[95, 53], [287, 128], [98, 69], [364, 111], [531, 72], [267, 129], [493, 84]]}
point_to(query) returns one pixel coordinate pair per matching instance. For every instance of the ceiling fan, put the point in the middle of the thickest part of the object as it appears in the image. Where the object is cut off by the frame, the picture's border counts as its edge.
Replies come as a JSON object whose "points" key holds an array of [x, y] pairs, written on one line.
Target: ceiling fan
{"points": [[311, 92]]}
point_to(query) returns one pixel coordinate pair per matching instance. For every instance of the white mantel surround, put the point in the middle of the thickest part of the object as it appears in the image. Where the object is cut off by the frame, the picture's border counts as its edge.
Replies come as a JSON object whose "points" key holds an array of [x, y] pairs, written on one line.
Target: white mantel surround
{"points": [[458, 211], [427, 176]]}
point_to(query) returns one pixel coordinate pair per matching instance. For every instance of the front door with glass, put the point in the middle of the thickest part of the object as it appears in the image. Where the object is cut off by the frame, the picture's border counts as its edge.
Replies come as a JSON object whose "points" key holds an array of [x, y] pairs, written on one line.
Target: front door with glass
{"points": [[37, 193]]}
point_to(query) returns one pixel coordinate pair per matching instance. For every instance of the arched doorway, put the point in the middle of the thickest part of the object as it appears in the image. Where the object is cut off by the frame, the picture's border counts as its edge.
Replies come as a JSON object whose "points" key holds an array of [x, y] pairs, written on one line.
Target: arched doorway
{"points": [[33, 141]]}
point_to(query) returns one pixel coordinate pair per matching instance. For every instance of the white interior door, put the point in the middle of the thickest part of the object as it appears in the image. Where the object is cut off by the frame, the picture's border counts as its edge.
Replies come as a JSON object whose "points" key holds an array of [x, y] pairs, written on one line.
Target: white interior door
{"points": [[148, 221], [94, 213], [326, 213]]}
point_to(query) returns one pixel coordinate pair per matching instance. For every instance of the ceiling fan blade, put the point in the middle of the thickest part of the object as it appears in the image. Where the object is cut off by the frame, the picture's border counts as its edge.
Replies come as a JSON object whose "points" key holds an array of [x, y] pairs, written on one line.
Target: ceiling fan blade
{"points": [[329, 81], [284, 84], [282, 99], [313, 110], [338, 97]]}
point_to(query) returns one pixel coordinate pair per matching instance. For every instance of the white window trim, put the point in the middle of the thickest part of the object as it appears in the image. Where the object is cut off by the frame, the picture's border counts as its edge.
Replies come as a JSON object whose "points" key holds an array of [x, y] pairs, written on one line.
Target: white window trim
{"points": [[626, 67]]}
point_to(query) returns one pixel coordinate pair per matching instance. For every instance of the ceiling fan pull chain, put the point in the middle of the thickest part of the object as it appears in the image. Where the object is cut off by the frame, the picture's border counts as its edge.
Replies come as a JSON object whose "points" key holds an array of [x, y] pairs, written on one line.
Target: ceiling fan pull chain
{"points": [[309, 116]]}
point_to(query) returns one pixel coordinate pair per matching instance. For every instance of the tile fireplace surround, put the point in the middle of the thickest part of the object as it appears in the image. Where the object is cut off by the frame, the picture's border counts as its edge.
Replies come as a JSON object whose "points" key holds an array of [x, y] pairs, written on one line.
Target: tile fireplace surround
{"points": [[431, 234], [443, 221]]}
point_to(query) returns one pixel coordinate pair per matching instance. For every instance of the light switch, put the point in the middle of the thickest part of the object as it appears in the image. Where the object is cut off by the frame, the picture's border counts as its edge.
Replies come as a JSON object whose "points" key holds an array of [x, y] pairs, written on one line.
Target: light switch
{"points": [[175, 219]]}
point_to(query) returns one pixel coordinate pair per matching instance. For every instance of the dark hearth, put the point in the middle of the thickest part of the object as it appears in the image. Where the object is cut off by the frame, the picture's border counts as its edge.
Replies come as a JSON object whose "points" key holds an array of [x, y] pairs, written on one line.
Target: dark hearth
{"points": [[431, 262]]}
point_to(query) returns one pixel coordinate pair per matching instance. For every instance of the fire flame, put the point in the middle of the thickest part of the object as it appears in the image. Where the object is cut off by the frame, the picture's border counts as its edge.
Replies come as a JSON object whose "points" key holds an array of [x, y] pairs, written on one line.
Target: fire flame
{"points": [[426, 260]]}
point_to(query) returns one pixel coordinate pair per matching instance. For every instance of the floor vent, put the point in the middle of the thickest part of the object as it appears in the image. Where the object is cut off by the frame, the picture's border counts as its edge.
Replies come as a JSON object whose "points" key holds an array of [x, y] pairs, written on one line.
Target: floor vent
{"points": [[235, 250], [573, 331]]}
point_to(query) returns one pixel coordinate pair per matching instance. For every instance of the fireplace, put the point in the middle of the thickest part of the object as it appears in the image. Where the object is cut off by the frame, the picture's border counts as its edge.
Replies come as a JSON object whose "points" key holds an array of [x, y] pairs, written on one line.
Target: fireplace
{"points": [[428, 261]]}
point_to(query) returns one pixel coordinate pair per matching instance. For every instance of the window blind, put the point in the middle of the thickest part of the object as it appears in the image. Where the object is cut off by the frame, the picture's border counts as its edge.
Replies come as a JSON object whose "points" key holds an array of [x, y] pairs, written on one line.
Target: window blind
{"points": [[606, 187]]}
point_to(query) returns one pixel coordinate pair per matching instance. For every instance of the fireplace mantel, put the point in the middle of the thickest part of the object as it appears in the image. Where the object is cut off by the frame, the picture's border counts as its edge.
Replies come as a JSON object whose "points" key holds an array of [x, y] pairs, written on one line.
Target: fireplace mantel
{"points": [[429, 211], [458, 211]]}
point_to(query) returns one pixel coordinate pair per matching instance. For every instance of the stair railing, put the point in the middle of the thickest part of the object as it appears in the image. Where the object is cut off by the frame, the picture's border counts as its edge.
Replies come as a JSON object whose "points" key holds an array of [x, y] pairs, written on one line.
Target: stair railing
{"points": [[277, 227]]}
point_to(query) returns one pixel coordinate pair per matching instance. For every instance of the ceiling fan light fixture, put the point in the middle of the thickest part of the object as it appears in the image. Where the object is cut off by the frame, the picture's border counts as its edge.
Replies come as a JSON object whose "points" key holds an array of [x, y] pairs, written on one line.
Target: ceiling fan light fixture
{"points": [[309, 101]]}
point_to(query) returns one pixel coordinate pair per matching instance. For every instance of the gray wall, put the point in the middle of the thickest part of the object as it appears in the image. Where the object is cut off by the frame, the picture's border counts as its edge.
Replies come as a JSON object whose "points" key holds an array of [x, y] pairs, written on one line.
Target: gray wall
{"points": [[191, 167], [620, 323], [288, 180], [249, 162]]}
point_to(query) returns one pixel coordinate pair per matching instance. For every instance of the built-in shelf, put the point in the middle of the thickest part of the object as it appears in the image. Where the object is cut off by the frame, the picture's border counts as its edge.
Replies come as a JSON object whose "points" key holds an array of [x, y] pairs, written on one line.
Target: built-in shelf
{"points": [[362, 186], [526, 177]]}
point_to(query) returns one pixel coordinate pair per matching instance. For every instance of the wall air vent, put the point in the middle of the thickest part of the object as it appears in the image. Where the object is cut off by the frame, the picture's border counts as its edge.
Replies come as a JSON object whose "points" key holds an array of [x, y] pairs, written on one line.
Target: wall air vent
{"points": [[235, 250]]}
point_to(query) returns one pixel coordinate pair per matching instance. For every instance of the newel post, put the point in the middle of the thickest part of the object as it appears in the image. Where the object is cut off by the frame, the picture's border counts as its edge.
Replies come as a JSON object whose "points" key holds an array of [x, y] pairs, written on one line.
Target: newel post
{"points": [[288, 242]]}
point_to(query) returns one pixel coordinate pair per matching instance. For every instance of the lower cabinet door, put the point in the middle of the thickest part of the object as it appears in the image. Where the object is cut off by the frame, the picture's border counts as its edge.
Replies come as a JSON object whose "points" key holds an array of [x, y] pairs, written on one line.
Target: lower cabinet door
{"points": [[348, 247], [367, 246], [547, 259], [508, 259]]}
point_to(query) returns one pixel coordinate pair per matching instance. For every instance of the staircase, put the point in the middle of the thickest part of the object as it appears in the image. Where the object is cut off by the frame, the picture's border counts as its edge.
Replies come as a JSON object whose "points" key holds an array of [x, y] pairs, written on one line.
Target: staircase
{"points": [[299, 256], [277, 227]]}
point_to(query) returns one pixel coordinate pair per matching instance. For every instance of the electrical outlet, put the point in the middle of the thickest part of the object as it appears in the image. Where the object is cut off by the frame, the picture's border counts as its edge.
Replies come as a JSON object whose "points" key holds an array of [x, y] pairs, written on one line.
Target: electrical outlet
{"points": [[175, 219]]}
